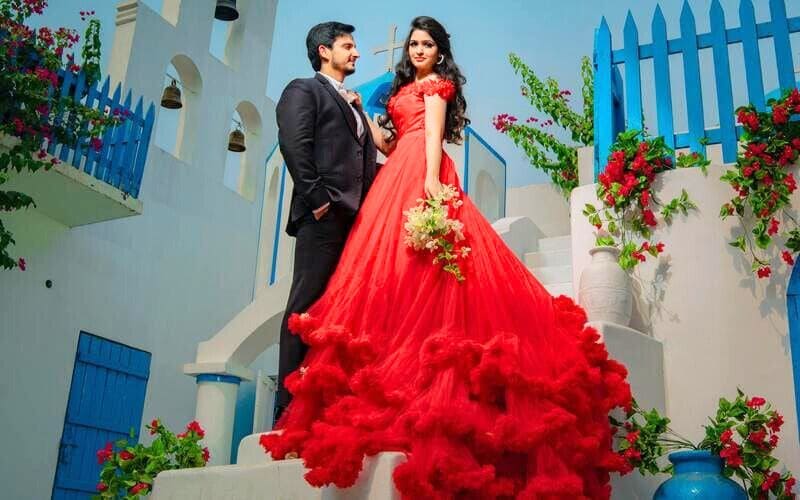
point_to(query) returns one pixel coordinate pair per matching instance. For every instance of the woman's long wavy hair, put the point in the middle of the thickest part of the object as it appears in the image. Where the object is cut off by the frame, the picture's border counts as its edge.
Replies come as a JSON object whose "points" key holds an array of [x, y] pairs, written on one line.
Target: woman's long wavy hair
{"points": [[456, 119]]}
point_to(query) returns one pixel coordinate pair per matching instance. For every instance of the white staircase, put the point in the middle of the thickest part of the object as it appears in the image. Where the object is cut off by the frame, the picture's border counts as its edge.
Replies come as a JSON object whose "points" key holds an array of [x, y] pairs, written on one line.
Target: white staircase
{"points": [[552, 265], [256, 476]]}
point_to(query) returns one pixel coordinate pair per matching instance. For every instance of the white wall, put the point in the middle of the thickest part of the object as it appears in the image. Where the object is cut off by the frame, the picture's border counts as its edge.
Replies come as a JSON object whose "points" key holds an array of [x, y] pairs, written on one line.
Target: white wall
{"points": [[721, 327], [543, 204], [487, 177], [162, 281]]}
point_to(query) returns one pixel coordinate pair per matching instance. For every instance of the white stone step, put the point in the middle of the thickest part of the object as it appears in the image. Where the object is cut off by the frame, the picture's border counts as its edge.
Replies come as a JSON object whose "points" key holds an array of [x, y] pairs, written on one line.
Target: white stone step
{"points": [[643, 356], [551, 258], [552, 274], [282, 479], [555, 243], [557, 289]]}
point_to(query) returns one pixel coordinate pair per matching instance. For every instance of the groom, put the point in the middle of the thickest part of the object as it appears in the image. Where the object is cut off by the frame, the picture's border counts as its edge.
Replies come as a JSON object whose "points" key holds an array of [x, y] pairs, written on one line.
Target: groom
{"points": [[326, 143]]}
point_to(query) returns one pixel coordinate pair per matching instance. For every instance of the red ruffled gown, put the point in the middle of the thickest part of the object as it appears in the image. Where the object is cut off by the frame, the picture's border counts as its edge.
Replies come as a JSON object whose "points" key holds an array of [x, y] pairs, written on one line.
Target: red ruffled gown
{"points": [[493, 388]]}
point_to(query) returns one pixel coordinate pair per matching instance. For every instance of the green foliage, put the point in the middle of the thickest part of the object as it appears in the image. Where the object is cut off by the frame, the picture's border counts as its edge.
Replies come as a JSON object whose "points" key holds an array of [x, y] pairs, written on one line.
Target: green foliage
{"points": [[30, 102], [626, 219], [763, 184], [544, 150], [744, 433], [129, 471]]}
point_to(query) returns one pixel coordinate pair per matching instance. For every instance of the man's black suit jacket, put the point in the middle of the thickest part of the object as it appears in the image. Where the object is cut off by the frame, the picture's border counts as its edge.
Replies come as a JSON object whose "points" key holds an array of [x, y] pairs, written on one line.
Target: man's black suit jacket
{"points": [[328, 162]]}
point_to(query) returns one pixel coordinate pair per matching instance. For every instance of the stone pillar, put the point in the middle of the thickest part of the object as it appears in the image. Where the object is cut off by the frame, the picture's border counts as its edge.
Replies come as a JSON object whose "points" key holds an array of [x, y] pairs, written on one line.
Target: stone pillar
{"points": [[216, 411]]}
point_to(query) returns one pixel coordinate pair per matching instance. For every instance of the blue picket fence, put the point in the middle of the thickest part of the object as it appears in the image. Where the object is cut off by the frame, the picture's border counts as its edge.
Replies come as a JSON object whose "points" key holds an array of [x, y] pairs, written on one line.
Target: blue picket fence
{"points": [[617, 108], [121, 159]]}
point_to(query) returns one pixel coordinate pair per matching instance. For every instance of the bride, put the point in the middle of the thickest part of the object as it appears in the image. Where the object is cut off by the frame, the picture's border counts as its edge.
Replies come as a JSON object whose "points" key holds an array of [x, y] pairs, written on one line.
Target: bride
{"points": [[491, 387]]}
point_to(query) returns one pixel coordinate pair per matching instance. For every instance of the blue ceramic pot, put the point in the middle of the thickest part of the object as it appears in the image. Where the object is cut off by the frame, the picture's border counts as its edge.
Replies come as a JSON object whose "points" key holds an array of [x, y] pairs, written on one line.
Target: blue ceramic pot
{"points": [[698, 476]]}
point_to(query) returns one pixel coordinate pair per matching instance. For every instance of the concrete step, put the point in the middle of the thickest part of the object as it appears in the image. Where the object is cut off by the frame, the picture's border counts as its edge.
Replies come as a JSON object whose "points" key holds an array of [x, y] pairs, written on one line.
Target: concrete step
{"points": [[282, 479], [551, 258], [557, 289], [552, 274], [555, 243]]}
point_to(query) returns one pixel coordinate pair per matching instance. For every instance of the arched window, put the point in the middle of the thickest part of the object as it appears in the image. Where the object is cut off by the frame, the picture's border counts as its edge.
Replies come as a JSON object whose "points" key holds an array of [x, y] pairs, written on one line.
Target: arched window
{"points": [[176, 128], [227, 38], [170, 10], [240, 167]]}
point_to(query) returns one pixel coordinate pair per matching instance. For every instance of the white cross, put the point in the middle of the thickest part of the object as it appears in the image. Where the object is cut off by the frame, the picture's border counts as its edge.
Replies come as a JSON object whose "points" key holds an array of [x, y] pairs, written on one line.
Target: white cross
{"points": [[390, 47]]}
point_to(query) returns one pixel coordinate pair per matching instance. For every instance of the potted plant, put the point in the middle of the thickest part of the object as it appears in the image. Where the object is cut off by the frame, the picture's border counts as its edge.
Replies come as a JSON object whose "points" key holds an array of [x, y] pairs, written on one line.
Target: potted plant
{"points": [[625, 221], [129, 471], [739, 442]]}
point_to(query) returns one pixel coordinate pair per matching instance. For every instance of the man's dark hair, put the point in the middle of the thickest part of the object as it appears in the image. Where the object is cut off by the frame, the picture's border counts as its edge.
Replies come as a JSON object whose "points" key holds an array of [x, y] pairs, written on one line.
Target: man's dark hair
{"points": [[324, 34]]}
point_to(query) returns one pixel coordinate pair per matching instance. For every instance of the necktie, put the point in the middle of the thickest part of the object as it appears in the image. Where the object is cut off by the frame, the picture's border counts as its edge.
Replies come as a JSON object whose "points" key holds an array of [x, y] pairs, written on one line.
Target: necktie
{"points": [[349, 97]]}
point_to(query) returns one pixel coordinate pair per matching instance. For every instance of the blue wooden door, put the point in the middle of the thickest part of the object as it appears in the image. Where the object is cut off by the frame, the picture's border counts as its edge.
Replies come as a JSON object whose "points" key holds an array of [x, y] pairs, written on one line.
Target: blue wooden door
{"points": [[793, 310], [106, 399]]}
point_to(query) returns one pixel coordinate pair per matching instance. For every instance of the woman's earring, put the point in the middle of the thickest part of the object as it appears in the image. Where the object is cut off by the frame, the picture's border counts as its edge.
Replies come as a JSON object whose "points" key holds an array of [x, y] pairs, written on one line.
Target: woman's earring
{"points": [[441, 59]]}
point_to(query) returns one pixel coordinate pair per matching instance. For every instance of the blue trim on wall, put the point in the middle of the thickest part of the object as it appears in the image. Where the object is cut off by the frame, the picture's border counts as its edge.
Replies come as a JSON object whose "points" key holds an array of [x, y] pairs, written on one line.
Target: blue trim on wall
{"points": [[466, 162], [505, 192], [278, 219], [261, 215], [471, 131], [243, 415], [216, 377], [793, 314]]}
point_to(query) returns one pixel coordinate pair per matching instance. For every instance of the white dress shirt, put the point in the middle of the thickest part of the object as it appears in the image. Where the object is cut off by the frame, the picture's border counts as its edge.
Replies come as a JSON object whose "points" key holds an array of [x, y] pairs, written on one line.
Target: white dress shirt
{"points": [[339, 86]]}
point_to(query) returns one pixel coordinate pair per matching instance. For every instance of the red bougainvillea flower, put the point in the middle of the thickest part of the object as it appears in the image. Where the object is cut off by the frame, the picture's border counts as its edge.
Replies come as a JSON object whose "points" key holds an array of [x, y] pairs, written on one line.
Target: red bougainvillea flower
{"points": [[632, 454], [773, 227], [790, 183], [775, 423], [789, 485], [138, 488], [645, 198], [649, 218], [749, 120], [764, 272], [105, 453], [194, 426], [756, 402], [731, 455], [787, 257], [126, 455], [757, 437], [780, 115], [769, 481]]}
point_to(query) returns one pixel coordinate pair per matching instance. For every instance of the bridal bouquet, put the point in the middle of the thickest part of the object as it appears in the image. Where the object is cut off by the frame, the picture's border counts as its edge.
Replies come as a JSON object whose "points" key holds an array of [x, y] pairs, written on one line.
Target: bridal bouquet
{"points": [[432, 226]]}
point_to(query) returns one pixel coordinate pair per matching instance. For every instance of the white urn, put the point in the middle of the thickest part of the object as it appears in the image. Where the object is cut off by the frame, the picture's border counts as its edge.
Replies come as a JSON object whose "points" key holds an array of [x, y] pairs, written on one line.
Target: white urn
{"points": [[605, 288]]}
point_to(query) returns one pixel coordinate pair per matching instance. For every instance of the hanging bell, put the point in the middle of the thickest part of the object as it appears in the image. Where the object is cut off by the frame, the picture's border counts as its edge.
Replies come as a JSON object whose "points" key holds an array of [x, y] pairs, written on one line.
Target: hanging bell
{"points": [[226, 10], [236, 141], [171, 98]]}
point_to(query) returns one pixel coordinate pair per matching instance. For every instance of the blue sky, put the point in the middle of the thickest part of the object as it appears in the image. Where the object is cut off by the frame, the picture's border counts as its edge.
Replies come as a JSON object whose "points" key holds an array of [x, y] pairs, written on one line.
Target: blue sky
{"points": [[550, 35]]}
